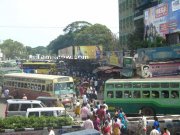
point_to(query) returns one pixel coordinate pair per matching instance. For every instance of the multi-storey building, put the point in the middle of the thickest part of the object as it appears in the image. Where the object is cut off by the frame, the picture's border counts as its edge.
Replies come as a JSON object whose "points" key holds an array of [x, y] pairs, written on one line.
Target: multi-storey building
{"points": [[130, 14]]}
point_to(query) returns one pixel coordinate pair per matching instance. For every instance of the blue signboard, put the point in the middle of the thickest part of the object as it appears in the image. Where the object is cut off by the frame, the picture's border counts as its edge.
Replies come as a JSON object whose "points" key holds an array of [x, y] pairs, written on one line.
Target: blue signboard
{"points": [[158, 54]]}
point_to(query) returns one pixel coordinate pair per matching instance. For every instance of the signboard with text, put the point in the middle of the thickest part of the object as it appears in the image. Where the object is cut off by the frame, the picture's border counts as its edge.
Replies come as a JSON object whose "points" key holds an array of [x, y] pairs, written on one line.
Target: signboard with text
{"points": [[162, 19]]}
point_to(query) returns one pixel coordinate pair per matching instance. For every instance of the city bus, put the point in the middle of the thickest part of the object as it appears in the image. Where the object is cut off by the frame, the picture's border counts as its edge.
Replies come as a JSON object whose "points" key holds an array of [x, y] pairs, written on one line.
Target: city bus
{"points": [[35, 85], [39, 67], [150, 96]]}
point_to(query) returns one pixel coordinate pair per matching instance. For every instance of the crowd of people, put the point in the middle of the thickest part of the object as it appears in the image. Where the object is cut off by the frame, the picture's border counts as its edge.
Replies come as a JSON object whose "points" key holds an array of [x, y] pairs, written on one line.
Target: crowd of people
{"points": [[95, 115]]}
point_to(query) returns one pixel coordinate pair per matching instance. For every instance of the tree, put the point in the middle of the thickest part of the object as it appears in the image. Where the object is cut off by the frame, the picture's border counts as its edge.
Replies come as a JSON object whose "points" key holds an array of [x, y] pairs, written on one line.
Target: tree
{"points": [[13, 49], [83, 33]]}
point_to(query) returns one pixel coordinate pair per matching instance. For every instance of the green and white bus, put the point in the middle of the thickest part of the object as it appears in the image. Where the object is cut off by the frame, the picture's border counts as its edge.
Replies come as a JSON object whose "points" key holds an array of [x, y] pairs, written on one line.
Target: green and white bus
{"points": [[151, 96]]}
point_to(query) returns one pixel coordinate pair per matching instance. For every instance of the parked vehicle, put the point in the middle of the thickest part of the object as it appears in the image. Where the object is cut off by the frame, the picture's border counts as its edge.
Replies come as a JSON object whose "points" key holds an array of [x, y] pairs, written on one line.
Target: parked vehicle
{"points": [[18, 107], [48, 112]]}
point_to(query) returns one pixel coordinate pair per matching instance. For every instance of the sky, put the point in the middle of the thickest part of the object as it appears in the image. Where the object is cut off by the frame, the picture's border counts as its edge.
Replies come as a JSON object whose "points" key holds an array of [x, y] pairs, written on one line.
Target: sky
{"points": [[38, 22]]}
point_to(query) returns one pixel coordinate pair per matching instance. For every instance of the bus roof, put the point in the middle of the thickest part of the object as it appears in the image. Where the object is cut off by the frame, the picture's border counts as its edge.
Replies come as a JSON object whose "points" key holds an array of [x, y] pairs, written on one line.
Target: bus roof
{"points": [[144, 80], [35, 76]]}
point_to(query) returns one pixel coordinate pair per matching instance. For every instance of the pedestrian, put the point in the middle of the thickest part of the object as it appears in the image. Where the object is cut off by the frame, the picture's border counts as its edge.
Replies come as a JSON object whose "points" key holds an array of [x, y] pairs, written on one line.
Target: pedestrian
{"points": [[6, 93], [96, 123], [101, 114], [116, 127], [84, 112], [74, 100], [77, 109], [88, 124], [166, 132], [156, 124], [59, 103], [51, 131], [106, 129], [154, 131], [143, 125], [24, 97]]}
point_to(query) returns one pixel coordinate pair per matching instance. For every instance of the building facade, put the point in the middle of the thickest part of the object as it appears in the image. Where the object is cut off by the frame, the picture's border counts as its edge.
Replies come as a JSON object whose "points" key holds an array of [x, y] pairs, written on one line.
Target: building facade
{"points": [[131, 16]]}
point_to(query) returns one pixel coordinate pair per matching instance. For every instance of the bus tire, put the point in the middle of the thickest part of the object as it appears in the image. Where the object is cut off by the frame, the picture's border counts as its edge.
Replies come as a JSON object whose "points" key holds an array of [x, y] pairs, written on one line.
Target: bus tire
{"points": [[148, 111]]}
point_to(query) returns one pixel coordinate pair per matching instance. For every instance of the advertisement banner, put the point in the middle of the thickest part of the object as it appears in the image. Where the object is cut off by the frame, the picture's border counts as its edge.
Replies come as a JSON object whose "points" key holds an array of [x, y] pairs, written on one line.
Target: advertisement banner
{"points": [[160, 69], [162, 19], [66, 53], [114, 58], [158, 54], [88, 52]]}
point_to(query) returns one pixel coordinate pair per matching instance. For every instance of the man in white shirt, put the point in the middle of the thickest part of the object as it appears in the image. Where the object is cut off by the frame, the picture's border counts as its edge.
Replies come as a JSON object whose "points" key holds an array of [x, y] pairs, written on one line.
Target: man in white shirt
{"points": [[154, 131], [143, 125], [51, 131]]}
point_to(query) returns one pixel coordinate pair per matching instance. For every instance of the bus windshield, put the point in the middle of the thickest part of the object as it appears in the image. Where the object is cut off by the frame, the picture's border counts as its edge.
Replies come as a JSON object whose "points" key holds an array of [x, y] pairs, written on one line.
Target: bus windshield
{"points": [[63, 88]]}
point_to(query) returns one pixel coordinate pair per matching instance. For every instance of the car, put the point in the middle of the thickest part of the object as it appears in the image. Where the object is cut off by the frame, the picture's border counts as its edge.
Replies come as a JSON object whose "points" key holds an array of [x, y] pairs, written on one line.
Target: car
{"points": [[48, 112], [18, 107], [52, 101]]}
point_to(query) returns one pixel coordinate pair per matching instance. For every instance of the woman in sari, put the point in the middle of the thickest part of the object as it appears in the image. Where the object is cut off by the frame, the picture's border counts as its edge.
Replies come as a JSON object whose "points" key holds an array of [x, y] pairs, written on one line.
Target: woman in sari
{"points": [[116, 127]]}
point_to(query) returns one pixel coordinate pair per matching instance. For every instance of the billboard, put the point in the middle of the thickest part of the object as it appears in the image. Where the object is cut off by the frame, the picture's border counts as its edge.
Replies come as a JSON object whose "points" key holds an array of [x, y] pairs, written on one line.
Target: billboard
{"points": [[66, 53], [160, 69], [162, 19], [88, 52], [158, 54], [114, 58]]}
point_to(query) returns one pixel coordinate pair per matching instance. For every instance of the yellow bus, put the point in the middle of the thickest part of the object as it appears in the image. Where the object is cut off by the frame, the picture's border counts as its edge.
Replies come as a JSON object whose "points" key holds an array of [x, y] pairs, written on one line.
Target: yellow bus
{"points": [[35, 85], [39, 67]]}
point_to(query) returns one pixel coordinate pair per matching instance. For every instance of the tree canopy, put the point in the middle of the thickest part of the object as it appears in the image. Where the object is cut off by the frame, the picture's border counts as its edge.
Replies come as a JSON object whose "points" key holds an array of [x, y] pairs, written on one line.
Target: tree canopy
{"points": [[83, 33]]}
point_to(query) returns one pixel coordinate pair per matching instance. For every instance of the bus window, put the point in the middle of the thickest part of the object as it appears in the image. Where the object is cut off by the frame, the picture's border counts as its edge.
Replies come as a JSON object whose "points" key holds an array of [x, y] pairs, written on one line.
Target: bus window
{"points": [[165, 94], [174, 94], [109, 86], [174, 85], [32, 86], [43, 87], [145, 85], [118, 85], [22, 85], [25, 85], [155, 85], [39, 87], [164, 85], [146, 94], [136, 94], [19, 84], [136, 85], [110, 94], [35, 87], [155, 94], [118, 94], [127, 85], [127, 94], [28, 86]]}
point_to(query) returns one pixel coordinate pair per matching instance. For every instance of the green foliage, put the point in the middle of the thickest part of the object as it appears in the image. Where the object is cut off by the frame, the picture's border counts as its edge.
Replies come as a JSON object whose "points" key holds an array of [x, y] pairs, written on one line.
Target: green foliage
{"points": [[19, 122], [83, 33], [13, 49]]}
